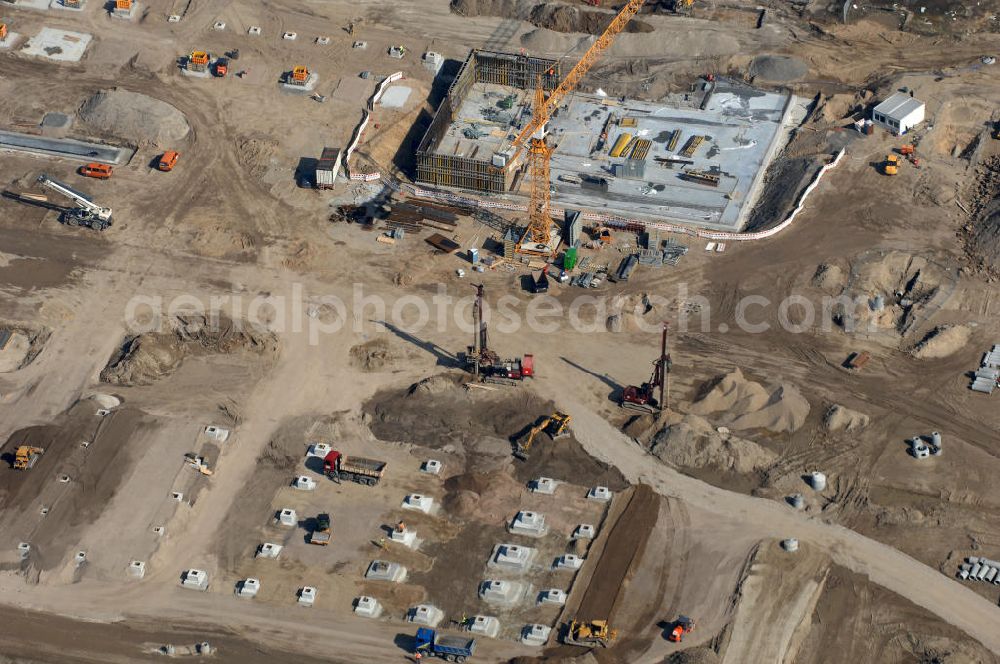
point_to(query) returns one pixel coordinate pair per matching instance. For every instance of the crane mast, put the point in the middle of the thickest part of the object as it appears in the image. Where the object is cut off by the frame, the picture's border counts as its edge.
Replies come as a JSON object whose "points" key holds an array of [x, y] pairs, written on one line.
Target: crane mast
{"points": [[539, 233]]}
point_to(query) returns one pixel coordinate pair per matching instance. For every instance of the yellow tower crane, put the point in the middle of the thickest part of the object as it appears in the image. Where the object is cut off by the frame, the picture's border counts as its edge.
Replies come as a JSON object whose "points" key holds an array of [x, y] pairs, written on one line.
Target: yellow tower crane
{"points": [[539, 234]]}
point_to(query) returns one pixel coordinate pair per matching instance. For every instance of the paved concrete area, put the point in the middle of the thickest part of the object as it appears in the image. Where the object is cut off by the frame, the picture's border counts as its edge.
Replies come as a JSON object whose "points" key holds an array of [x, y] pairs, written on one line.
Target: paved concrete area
{"points": [[66, 148], [740, 127], [60, 45]]}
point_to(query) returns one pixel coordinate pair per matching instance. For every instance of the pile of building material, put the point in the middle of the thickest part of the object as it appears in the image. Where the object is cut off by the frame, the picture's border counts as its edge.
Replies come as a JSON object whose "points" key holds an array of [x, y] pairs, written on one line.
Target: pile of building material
{"points": [[980, 569], [922, 447], [987, 377], [413, 217]]}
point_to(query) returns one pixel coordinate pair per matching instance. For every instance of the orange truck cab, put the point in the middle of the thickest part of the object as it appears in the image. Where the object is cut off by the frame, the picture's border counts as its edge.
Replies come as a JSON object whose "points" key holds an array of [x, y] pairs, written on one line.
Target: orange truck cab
{"points": [[95, 170], [168, 161]]}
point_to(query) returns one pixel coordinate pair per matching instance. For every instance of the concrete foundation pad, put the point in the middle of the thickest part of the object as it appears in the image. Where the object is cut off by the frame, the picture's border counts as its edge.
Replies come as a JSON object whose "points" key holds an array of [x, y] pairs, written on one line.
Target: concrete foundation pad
{"points": [[367, 607], [535, 635], [529, 524], [584, 531], [195, 579], [57, 4], [407, 538], [395, 96], [425, 614], [308, 87], [307, 596], [32, 4], [488, 626], [196, 74], [58, 45], [601, 494], [9, 40], [418, 503], [382, 570], [126, 14], [248, 588], [268, 550], [136, 569], [552, 596], [431, 466], [319, 450], [567, 561], [512, 556], [502, 592], [543, 485]]}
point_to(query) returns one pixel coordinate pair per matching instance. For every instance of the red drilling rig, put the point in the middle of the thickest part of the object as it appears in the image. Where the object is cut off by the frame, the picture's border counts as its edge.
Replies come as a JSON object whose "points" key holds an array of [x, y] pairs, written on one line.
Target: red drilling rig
{"points": [[642, 397], [484, 363]]}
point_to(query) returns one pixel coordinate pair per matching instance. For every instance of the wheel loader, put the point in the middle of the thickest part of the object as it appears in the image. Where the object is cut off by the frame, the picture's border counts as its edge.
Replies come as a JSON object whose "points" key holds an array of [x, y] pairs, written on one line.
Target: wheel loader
{"points": [[26, 456]]}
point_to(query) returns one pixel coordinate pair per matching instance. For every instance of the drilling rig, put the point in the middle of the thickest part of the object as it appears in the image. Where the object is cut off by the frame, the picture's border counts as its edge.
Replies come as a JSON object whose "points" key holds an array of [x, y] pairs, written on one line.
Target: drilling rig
{"points": [[537, 240], [643, 397], [484, 363]]}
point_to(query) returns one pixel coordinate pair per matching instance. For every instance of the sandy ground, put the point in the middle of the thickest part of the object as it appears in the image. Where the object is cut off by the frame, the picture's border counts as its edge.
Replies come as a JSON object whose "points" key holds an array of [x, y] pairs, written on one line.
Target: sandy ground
{"points": [[880, 544]]}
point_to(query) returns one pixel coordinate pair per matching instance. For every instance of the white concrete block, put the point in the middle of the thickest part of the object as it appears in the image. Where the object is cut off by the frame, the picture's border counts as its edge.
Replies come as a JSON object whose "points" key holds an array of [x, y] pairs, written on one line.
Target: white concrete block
{"points": [[512, 556], [406, 537], [219, 25], [425, 614], [419, 503], [195, 579], [248, 588], [290, 36], [601, 494], [304, 483], [307, 596], [488, 626], [268, 550], [431, 466], [322, 41], [367, 607], [287, 517], [528, 523], [543, 485], [136, 569], [218, 434], [174, 18], [23, 549], [535, 635], [568, 561], [501, 591], [383, 570], [584, 531], [255, 31], [80, 558], [552, 596], [360, 44]]}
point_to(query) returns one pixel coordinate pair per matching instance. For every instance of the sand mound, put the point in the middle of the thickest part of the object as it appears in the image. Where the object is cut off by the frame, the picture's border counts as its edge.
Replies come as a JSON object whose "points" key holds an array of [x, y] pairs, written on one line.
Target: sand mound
{"points": [[372, 355], [838, 418], [778, 68], [694, 656], [551, 15], [134, 117], [435, 385], [748, 405], [694, 443], [829, 278], [145, 358], [942, 341]]}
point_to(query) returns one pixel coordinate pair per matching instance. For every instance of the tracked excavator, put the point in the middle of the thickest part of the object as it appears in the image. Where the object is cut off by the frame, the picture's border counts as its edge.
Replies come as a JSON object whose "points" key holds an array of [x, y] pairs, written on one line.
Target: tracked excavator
{"points": [[555, 425]]}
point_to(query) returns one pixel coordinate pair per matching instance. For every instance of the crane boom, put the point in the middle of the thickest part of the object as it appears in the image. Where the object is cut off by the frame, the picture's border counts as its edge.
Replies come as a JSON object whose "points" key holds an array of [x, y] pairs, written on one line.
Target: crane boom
{"points": [[87, 212], [573, 78], [538, 236]]}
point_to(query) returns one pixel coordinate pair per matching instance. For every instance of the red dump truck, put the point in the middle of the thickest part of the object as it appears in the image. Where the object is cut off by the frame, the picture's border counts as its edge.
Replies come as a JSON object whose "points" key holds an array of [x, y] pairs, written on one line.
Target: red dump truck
{"points": [[339, 466]]}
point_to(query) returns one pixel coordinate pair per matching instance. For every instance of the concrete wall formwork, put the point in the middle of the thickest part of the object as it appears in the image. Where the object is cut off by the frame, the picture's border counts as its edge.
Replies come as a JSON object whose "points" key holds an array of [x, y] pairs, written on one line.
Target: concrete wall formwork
{"points": [[479, 173]]}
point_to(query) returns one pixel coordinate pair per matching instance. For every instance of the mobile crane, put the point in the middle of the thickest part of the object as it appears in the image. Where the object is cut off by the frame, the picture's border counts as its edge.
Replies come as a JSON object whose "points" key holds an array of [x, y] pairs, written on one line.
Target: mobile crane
{"points": [[86, 213], [539, 234]]}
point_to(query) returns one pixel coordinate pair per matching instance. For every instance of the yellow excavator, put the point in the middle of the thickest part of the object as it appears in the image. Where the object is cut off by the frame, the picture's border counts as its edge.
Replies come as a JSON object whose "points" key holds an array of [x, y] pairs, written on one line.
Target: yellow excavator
{"points": [[26, 456], [555, 425], [589, 634]]}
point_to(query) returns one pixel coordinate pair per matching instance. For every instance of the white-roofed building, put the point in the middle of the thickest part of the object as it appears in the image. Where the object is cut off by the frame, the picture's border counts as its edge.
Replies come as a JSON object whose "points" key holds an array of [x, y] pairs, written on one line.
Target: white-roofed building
{"points": [[899, 113]]}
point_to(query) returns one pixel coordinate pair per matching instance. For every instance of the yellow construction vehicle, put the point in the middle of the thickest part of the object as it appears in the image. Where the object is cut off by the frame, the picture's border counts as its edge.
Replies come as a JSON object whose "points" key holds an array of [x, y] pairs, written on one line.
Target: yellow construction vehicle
{"points": [[26, 456], [555, 425], [891, 165], [589, 634]]}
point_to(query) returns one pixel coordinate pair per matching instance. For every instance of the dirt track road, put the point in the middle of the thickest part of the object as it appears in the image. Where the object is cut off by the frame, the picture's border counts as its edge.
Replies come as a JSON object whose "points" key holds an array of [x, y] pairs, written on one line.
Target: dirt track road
{"points": [[884, 565]]}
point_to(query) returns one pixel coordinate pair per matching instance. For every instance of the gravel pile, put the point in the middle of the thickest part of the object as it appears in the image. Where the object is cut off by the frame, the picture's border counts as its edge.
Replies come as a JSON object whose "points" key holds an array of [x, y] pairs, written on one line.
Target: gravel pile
{"points": [[134, 117]]}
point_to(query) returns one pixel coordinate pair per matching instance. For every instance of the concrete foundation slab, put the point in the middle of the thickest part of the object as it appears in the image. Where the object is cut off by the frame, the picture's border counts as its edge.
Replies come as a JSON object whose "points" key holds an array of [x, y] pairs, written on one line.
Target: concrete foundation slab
{"points": [[367, 607], [304, 483], [10, 40], [488, 626], [418, 503], [196, 73], [406, 537], [552, 596], [432, 467], [309, 86], [543, 485], [136, 569], [425, 614], [307, 596], [287, 517], [218, 434], [512, 556], [195, 579], [530, 524], [382, 570], [58, 45], [584, 531], [601, 494], [535, 635], [502, 592], [59, 4], [568, 561], [268, 550], [319, 450], [248, 588], [395, 96]]}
